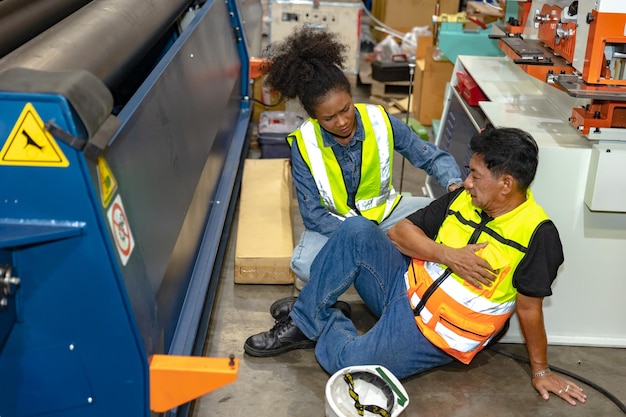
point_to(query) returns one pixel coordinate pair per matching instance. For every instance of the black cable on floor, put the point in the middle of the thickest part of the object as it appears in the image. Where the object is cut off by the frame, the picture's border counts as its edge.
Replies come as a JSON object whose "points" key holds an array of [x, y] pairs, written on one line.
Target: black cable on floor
{"points": [[585, 381]]}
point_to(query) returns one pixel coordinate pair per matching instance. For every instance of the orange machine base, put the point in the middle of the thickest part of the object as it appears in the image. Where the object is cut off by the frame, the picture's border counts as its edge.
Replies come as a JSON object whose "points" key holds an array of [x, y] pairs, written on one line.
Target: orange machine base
{"points": [[599, 114], [176, 380]]}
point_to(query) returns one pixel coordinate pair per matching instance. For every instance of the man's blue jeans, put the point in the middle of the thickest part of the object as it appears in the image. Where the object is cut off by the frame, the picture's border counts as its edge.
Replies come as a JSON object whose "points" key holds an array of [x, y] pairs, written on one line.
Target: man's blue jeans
{"points": [[312, 242], [360, 253]]}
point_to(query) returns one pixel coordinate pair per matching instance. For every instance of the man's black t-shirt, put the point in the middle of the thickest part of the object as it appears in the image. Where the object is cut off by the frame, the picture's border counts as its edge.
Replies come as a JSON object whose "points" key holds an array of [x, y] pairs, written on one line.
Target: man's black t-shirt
{"points": [[537, 270]]}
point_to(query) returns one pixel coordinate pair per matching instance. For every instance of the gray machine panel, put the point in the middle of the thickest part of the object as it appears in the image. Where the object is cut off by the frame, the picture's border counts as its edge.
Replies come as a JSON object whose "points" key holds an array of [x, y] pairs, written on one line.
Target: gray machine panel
{"points": [[168, 158], [457, 128]]}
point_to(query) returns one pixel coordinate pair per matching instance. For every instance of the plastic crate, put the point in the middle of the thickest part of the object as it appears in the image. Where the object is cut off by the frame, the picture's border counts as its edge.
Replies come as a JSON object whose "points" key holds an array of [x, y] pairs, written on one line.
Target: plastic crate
{"points": [[391, 71], [274, 126]]}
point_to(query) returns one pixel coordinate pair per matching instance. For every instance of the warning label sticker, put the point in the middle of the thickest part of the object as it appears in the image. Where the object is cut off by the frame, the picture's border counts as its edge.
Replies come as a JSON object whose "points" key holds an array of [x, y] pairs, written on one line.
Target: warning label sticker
{"points": [[108, 184], [120, 228], [30, 144]]}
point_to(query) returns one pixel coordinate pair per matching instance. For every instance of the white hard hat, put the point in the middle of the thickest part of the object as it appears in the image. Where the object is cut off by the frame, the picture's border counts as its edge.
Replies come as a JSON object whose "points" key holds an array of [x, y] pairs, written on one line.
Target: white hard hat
{"points": [[370, 390]]}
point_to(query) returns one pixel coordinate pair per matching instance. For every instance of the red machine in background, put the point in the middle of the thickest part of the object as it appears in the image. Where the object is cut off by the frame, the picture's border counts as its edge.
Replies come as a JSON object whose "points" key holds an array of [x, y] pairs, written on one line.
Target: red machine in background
{"points": [[580, 47], [563, 82]]}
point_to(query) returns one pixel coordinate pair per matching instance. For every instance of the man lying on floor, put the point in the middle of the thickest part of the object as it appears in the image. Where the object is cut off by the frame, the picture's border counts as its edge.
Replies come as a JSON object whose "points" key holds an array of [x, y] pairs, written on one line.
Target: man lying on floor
{"points": [[443, 282]]}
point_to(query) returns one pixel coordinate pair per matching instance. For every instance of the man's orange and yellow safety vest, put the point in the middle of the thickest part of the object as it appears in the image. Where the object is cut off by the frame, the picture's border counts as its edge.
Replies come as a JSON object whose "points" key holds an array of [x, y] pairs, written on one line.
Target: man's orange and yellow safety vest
{"points": [[453, 314]]}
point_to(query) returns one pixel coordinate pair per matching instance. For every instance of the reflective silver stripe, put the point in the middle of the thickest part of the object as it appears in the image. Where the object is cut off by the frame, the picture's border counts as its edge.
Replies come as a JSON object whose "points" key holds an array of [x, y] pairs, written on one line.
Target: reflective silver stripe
{"points": [[382, 139], [464, 296], [351, 213], [452, 339], [460, 294], [415, 299], [317, 165], [388, 200], [380, 129], [456, 341], [371, 203]]}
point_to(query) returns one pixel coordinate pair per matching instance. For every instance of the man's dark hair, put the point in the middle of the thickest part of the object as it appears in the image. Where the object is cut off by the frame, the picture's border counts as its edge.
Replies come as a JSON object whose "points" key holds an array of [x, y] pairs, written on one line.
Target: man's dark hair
{"points": [[308, 65], [508, 150]]}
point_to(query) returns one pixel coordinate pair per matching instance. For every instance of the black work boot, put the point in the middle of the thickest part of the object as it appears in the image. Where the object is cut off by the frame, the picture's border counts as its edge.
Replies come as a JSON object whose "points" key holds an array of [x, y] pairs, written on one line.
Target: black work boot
{"points": [[281, 308], [281, 338]]}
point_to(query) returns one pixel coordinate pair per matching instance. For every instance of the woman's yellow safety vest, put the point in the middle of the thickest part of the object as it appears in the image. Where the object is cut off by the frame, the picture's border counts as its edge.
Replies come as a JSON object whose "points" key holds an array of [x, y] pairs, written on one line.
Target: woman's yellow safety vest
{"points": [[375, 196], [456, 316]]}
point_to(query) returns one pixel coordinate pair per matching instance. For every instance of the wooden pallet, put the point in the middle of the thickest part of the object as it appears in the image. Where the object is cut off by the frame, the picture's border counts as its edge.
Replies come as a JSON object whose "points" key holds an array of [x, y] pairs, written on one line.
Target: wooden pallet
{"points": [[392, 105]]}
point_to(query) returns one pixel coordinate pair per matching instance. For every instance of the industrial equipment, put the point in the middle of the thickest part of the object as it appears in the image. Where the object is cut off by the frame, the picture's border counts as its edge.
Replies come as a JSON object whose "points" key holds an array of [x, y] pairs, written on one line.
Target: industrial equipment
{"points": [[21, 21], [342, 17], [122, 132], [470, 31], [581, 48], [582, 160]]}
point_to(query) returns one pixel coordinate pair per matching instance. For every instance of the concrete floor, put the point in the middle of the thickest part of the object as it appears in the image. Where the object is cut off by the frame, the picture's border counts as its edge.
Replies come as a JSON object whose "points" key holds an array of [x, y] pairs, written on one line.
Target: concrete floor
{"points": [[293, 384]]}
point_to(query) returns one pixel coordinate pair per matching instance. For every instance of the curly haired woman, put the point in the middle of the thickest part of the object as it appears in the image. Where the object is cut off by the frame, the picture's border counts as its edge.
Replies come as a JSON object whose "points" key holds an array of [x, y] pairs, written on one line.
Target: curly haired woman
{"points": [[343, 155]]}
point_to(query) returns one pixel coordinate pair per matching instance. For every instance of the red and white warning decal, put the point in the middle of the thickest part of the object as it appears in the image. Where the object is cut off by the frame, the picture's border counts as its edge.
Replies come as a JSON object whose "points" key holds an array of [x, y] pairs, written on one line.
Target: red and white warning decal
{"points": [[120, 228]]}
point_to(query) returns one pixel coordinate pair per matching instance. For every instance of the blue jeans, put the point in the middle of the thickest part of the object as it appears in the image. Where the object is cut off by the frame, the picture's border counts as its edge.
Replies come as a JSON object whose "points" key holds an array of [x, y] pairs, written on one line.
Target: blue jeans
{"points": [[360, 253], [312, 242]]}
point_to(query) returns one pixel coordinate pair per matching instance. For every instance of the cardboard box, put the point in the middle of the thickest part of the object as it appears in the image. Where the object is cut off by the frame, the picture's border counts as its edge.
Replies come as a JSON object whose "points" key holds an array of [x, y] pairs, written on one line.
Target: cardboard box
{"points": [[264, 230], [429, 84], [403, 15]]}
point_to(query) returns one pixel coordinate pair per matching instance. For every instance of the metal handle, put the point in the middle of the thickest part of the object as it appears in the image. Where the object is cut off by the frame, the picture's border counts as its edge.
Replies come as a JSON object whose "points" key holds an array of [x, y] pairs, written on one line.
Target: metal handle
{"points": [[6, 280]]}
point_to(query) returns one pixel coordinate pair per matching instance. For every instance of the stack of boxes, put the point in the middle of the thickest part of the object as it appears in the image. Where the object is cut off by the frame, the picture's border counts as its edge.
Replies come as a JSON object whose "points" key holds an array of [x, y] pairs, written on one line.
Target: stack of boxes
{"points": [[431, 72], [403, 15], [429, 83]]}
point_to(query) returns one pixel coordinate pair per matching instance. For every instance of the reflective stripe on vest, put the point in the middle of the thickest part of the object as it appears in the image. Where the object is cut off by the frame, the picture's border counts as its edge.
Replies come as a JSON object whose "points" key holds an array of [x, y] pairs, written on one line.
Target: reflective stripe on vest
{"points": [[458, 317], [375, 196]]}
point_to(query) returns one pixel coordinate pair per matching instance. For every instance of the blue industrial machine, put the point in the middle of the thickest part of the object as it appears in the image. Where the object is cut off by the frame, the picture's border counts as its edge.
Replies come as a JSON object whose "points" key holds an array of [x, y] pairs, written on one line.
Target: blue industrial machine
{"points": [[122, 133]]}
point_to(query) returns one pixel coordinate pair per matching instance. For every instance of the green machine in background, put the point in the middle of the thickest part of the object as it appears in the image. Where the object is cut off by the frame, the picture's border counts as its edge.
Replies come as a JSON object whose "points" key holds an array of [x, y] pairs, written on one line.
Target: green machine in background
{"points": [[454, 38]]}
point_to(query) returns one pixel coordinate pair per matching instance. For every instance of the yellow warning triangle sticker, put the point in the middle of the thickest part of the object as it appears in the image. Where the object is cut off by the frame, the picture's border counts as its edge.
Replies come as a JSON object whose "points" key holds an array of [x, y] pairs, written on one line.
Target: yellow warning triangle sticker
{"points": [[108, 184], [30, 144]]}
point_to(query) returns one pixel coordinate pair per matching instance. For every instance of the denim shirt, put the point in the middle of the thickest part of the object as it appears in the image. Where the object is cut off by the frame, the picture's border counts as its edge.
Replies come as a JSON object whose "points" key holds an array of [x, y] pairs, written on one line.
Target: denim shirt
{"points": [[418, 152]]}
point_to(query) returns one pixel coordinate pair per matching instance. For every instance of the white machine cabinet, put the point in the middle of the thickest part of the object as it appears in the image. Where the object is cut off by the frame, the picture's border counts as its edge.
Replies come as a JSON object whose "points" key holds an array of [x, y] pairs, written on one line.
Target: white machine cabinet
{"points": [[578, 183], [341, 17]]}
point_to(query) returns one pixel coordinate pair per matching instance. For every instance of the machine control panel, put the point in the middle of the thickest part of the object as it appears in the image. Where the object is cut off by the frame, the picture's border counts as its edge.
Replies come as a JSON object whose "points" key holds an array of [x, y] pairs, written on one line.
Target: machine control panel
{"points": [[342, 18]]}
